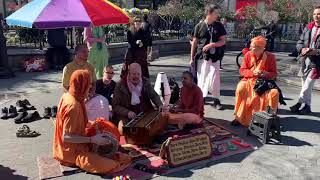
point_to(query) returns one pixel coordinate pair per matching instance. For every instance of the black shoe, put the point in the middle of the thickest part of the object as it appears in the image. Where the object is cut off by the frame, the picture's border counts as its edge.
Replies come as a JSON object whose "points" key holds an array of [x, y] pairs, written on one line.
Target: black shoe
{"points": [[20, 116], [54, 111], [295, 108], [235, 123], [306, 110], [217, 104], [4, 113], [12, 112], [47, 113], [26, 102], [27, 105], [30, 117], [21, 106]]}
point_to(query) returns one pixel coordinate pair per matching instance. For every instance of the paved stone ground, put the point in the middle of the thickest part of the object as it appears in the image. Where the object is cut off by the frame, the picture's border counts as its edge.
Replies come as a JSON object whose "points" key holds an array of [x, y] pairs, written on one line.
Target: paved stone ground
{"points": [[297, 158]]}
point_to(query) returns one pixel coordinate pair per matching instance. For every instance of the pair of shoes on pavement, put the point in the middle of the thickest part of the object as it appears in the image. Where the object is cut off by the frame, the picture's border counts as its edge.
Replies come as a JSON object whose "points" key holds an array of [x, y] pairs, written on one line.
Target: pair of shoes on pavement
{"points": [[24, 105], [23, 116], [306, 110], [8, 113], [217, 104], [13, 112], [50, 112]]}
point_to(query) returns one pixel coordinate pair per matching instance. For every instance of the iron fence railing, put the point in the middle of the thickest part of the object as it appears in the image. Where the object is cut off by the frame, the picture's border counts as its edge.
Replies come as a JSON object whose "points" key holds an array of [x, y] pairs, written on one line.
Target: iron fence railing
{"points": [[33, 38]]}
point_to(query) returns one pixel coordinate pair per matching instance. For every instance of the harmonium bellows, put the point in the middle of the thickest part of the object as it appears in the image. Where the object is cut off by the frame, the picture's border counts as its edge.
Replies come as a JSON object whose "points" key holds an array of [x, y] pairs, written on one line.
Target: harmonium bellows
{"points": [[145, 127]]}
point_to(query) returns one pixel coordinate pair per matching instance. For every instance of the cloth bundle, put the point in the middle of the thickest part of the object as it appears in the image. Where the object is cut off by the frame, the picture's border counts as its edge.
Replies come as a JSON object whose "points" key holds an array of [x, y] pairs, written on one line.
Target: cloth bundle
{"points": [[263, 85], [101, 125]]}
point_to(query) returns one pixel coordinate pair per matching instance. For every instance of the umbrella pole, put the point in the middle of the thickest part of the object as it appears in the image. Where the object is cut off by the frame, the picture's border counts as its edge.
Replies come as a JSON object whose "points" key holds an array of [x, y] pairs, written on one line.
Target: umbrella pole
{"points": [[5, 70]]}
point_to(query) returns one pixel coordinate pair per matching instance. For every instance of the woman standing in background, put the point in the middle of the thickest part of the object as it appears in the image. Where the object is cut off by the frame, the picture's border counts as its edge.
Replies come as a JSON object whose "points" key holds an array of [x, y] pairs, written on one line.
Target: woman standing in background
{"points": [[138, 47], [96, 42]]}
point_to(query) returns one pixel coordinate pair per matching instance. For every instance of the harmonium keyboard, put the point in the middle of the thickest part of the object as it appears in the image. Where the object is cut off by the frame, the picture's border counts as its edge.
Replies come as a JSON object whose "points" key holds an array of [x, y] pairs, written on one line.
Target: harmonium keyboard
{"points": [[145, 127]]}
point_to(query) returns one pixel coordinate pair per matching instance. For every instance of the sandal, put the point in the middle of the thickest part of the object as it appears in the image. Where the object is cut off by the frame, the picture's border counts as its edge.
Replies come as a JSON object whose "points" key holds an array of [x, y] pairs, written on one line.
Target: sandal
{"points": [[25, 131], [24, 128]]}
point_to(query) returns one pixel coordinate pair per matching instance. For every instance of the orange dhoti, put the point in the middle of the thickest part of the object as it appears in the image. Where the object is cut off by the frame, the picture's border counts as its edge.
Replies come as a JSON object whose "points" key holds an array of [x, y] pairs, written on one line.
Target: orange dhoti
{"points": [[93, 163], [248, 102]]}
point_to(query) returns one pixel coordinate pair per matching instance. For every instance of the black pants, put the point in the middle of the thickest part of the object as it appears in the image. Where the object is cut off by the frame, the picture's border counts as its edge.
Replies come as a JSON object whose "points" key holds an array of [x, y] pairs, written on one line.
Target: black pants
{"points": [[271, 44], [57, 57]]}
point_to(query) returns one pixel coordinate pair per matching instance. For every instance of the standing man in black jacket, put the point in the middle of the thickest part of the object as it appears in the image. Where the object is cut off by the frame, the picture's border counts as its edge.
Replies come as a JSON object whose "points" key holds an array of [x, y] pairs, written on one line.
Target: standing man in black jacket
{"points": [[309, 48]]}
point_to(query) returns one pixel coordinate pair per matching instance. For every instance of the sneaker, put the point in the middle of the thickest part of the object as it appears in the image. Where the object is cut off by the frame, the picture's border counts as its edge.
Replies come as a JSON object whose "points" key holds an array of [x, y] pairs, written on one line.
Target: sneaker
{"points": [[4, 113], [47, 113], [30, 117], [54, 111], [26, 102], [20, 116], [235, 123], [12, 112], [27, 105], [306, 110], [21, 106], [295, 108]]}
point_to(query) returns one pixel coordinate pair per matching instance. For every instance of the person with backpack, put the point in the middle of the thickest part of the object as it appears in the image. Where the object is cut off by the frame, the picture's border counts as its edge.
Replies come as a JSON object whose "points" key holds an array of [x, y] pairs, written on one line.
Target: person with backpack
{"points": [[206, 51]]}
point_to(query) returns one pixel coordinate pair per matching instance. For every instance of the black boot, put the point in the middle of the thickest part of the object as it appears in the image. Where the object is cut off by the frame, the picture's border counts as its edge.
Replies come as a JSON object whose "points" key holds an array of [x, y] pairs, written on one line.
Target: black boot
{"points": [[21, 115], [295, 108], [54, 111], [12, 112], [4, 113], [47, 113], [306, 110]]}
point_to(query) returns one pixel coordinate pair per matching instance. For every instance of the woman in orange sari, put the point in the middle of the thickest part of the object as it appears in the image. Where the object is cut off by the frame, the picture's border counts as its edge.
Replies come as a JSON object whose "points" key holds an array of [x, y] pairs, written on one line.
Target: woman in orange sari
{"points": [[257, 63], [71, 145]]}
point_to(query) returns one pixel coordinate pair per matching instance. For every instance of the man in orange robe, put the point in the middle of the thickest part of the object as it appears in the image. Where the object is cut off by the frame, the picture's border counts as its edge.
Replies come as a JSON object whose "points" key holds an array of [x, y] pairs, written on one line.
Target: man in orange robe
{"points": [[71, 145], [256, 64]]}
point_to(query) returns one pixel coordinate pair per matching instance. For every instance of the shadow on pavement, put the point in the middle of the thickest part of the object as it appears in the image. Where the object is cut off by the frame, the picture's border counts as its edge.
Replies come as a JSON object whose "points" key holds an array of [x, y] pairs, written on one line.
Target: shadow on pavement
{"points": [[300, 124], [291, 141], [169, 66], [6, 173]]}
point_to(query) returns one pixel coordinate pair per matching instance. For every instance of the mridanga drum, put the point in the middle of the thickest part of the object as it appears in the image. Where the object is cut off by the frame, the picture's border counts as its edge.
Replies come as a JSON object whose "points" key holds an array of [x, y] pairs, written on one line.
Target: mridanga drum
{"points": [[145, 127]]}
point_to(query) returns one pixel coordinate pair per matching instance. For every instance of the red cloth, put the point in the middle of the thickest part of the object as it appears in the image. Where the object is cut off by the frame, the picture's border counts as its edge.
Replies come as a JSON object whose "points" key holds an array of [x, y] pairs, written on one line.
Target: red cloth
{"points": [[269, 67], [192, 99]]}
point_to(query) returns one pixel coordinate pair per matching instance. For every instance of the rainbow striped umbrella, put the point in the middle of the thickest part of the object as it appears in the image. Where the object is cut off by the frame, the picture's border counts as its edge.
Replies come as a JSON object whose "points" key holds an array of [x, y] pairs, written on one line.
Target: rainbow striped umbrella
{"points": [[50, 14]]}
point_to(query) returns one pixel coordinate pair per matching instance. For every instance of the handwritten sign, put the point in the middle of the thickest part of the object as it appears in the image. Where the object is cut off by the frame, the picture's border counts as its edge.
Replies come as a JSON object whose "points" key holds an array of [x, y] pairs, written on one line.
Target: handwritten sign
{"points": [[189, 149]]}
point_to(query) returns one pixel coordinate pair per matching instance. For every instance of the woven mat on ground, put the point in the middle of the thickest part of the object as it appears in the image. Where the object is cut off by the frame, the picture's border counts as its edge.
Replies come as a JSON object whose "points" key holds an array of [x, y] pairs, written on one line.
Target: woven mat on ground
{"points": [[50, 168], [150, 158]]}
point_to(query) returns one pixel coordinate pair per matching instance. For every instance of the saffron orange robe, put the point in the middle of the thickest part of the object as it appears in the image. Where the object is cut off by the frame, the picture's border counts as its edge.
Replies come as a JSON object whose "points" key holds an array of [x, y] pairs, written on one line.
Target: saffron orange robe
{"points": [[247, 101], [72, 119]]}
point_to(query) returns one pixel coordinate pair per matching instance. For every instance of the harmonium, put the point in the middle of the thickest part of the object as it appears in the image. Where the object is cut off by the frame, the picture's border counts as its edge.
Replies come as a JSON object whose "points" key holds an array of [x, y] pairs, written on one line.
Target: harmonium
{"points": [[145, 127]]}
